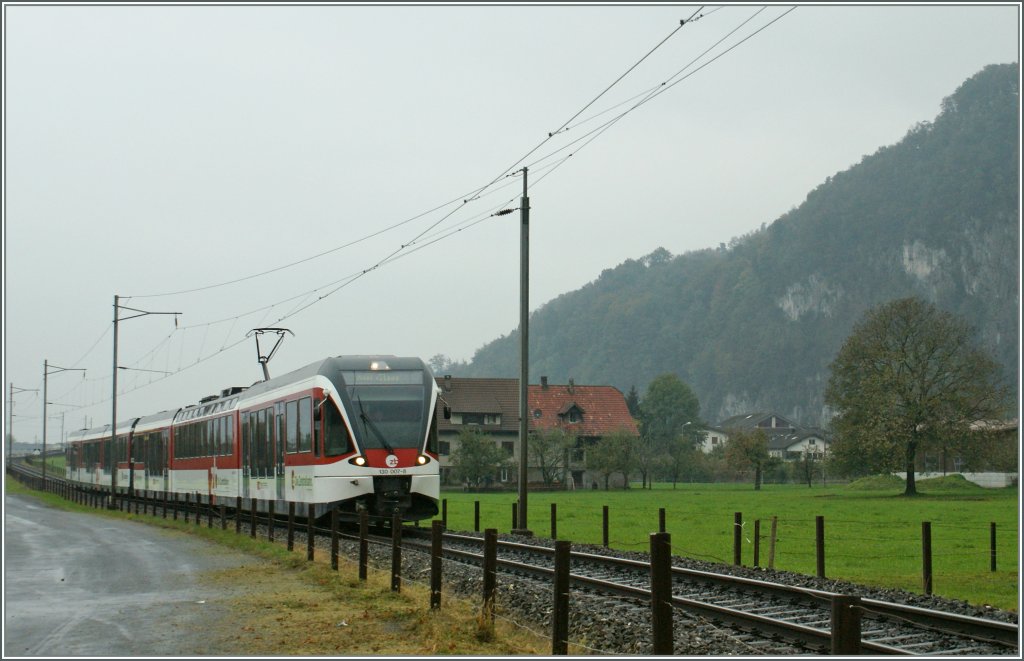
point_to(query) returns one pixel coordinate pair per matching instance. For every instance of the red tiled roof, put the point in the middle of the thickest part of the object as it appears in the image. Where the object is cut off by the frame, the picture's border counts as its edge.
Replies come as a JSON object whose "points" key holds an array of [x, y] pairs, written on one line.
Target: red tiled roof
{"points": [[603, 407]]}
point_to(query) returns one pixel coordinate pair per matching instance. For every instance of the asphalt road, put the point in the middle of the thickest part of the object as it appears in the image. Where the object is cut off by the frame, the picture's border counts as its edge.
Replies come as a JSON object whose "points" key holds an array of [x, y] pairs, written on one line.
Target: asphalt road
{"points": [[83, 585]]}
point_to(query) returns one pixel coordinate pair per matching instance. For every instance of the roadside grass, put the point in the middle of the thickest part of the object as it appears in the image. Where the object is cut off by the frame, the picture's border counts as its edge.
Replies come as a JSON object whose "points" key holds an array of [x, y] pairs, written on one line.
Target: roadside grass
{"points": [[873, 534], [299, 608]]}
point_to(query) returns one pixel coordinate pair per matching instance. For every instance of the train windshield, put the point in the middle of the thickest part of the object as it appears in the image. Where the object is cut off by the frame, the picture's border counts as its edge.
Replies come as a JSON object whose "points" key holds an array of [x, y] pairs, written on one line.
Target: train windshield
{"points": [[388, 407]]}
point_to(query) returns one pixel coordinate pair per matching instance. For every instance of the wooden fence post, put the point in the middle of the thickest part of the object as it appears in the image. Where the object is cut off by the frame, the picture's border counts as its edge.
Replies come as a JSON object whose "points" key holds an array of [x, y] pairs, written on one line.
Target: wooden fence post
{"points": [[737, 538], [310, 532], [846, 631], [436, 530], [661, 593], [560, 614], [476, 516], [554, 521], [604, 525], [396, 552], [661, 519], [291, 526], [992, 544], [757, 542], [490, 572], [819, 544], [364, 547], [444, 512], [334, 539], [252, 518], [771, 542], [926, 555]]}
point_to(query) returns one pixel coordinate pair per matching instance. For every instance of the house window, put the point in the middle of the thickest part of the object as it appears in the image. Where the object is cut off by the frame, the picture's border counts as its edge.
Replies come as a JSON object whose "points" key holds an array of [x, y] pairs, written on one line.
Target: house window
{"points": [[472, 418], [575, 416], [509, 447], [492, 419], [504, 475], [714, 440], [444, 447], [811, 441]]}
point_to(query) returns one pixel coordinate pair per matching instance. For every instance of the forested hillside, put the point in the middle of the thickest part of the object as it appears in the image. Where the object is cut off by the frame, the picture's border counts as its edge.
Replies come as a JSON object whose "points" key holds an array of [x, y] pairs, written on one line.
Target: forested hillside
{"points": [[755, 324]]}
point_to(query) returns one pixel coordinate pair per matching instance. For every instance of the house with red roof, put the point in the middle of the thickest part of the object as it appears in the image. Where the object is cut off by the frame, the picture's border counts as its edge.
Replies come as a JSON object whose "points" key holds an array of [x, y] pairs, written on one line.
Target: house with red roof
{"points": [[585, 413]]}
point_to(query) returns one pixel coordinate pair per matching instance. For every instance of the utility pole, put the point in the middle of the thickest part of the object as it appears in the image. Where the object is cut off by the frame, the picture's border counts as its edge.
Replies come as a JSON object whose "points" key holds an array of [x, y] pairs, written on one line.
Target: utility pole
{"points": [[47, 371], [524, 370], [10, 418], [113, 406]]}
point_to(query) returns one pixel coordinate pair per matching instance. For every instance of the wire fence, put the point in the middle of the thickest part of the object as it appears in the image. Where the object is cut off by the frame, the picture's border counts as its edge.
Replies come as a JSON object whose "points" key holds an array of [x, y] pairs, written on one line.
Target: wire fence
{"points": [[789, 539]]}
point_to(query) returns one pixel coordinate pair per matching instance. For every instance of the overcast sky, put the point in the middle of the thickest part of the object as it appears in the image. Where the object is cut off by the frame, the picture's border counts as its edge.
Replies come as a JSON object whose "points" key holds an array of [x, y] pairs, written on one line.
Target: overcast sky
{"points": [[160, 149]]}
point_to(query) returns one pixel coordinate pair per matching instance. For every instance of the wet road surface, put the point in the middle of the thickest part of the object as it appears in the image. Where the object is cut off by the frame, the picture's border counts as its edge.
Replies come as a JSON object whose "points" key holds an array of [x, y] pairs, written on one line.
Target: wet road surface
{"points": [[83, 585]]}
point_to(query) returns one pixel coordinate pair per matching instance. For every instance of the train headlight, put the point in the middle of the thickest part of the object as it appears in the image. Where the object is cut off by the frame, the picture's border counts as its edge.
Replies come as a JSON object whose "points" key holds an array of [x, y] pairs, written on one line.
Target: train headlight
{"points": [[359, 461], [422, 459]]}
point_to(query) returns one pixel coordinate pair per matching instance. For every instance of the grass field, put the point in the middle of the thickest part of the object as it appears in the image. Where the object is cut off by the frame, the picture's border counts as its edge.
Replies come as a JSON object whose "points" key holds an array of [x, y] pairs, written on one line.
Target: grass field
{"points": [[872, 533]]}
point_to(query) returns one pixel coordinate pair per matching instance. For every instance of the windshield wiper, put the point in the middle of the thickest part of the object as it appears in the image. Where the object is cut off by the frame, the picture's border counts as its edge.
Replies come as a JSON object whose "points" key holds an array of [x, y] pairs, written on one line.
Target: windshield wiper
{"points": [[368, 424]]}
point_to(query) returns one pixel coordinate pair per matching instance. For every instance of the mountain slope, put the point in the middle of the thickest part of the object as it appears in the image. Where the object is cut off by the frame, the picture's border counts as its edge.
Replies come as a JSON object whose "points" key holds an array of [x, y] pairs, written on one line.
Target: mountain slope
{"points": [[754, 326]]}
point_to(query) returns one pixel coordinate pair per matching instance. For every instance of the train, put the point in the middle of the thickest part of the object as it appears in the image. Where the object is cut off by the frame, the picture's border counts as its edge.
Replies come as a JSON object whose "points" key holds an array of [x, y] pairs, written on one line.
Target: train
{"points": [[345, 433]]}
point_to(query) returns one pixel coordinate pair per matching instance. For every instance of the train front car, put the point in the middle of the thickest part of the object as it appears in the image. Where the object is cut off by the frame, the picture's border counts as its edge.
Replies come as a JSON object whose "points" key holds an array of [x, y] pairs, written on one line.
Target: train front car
{"points": [[388, 405]]}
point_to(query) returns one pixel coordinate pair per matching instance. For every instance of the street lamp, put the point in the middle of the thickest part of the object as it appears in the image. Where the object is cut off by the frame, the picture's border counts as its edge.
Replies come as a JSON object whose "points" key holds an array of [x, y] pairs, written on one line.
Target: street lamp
{"points": [[113, 407], [47, 371]]}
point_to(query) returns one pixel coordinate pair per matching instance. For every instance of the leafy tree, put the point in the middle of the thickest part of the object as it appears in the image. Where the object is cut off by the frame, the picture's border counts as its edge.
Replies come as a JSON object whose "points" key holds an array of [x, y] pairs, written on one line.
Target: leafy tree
{"points": [[748, 449], [908, 378], [440, 364], [548, 450], [477, 458], [612, 454], [669, 411], [680, 458], [633, 402]]}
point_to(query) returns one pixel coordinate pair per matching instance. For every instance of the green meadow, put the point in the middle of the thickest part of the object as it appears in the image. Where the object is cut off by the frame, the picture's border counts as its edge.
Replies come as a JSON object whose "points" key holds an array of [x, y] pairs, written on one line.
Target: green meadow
{"points": [[873, 534]]}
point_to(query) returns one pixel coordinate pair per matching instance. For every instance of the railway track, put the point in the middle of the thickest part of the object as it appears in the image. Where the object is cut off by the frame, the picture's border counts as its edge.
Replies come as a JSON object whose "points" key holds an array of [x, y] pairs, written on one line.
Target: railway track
{"points": [[765, 617]]}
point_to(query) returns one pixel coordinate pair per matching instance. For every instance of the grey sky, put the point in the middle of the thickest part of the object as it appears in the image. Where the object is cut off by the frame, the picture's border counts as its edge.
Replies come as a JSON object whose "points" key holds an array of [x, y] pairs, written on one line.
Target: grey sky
{"points": [[153, 149]]}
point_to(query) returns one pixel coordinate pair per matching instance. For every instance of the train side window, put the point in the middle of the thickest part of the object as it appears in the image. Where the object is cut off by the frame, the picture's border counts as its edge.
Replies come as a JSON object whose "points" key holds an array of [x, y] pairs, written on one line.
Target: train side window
{"points": [[229, 435], [336, 438], [268, 447], [305, 424], [292, 414], [318, 430], [260, 441]]}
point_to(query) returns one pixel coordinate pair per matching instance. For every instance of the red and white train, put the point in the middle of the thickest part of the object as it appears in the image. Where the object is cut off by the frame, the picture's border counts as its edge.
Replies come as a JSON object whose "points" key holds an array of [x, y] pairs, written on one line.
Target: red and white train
{"points": [[351, 432]]}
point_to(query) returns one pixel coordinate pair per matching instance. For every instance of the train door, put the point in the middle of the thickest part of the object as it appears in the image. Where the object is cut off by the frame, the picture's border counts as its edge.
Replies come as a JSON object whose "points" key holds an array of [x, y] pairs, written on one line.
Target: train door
{"points": [[165, 460], [279, 450], [246, 450]]}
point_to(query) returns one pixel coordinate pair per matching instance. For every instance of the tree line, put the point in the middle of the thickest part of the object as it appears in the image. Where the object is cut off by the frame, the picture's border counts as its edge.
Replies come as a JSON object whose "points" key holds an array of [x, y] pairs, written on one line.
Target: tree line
{"points": [[909, 379]]}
